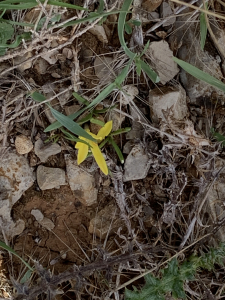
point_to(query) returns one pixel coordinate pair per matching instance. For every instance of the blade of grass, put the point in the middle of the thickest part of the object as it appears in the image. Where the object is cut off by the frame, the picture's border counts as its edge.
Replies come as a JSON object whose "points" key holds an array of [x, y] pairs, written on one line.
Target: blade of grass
{"points": [[116, 84], [4, 246], [197, 73], [121, 25], [70, 125], [12, 4], [203, 28], [117, 149], [90, 17]]}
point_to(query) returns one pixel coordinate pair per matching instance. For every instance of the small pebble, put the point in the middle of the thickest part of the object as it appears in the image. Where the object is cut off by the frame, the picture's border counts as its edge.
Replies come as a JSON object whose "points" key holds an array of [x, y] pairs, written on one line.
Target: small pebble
{"points": [[23, 144]]}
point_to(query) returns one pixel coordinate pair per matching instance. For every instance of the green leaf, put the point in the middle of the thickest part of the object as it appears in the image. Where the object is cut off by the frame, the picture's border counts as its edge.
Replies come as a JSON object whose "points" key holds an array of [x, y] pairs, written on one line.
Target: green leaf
{"points": [[6, 32], [219, 137], [120, 131], [203, 29], [117, 149], [197, 73], [16, 4], [128, 28], [70, 125], [135, 22], [151, 74], [64, 4], [96, 121], [4, 246], [38, 96], [57, 124], [26, 276], [138, 66], [80, 98]]}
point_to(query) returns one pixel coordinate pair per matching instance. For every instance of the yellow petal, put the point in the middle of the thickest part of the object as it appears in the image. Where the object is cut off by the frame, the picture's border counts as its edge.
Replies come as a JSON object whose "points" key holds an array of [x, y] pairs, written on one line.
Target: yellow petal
{"points": [[105, 130], [79, 144], [99, 158], [92, 134], [82, 152]]}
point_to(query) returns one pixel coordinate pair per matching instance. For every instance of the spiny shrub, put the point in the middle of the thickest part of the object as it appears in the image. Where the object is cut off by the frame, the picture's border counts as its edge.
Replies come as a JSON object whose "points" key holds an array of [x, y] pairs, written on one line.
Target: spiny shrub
{"points": [[173, 277]]}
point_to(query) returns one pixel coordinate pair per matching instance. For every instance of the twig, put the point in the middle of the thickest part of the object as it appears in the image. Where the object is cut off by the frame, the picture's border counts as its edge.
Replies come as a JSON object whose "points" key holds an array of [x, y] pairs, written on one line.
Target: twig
{"points": [[160, 23], [200, 9]]}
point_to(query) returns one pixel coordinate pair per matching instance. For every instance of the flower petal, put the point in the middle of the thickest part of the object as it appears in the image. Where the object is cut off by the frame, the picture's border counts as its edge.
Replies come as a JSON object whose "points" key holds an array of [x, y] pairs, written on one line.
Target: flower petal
{"points": [[99, 158], [82, 152], [105, 130]]}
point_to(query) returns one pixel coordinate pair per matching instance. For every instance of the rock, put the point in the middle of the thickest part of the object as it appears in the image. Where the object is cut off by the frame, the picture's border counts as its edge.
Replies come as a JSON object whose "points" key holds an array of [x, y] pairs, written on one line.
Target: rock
{"points": [[117, 119], [107, 220], [50, 56], [137, 130], [16, 177], [50, 178], [43, 221], [127, 94], [41, 66], [136, 164], [162, 60], [190, 51], [151, 5], [23, 144], [37, 214], [85, 55], [142, 14], [20, 59], [168, 98], [45, 151], [69, 110], [166, 11], [128, 147], [103, 67], [67, 52], [99, 32], [81, 182]]}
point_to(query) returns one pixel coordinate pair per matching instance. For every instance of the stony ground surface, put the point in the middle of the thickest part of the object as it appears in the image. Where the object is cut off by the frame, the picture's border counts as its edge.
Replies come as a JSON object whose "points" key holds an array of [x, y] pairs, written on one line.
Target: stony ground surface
{"points": [[168, 194]]}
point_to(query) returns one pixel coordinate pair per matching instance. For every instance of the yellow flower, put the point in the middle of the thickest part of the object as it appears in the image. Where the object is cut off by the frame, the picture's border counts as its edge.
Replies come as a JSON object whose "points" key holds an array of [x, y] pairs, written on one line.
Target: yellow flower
{"points": [[83, 148]]}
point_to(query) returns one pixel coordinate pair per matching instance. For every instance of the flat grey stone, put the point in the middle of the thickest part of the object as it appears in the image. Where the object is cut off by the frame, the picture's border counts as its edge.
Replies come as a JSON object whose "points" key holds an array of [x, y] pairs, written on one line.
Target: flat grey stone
{"points": [[16, 176], [137, 164], [50, 178], [45, 151], [81, 182], [168, 98]]}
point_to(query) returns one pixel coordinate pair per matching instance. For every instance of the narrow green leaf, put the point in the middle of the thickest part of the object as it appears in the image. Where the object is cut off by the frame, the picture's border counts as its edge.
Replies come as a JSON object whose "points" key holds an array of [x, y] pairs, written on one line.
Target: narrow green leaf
{"points": [[117, 149], [26, 276], [64, 4], [120, 131], [80, 98], [96, 121], [197, 73], [151, 74], [135, 22], [121, 24], [57, 125], [91, 17], [203, 29], [108, 90], [128, 28], [4, 246], [38, 96], [138, 66], [70, 125]]}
